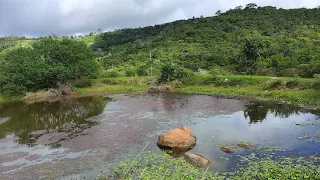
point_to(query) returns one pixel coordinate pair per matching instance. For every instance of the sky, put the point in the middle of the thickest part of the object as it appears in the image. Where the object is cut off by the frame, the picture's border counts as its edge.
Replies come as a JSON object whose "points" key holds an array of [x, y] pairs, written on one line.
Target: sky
{"points": [[33, 18]]}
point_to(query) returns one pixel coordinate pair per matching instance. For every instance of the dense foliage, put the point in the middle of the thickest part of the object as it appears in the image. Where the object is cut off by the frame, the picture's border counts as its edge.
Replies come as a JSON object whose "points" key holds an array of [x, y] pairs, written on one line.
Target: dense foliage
{"points": [[253, 40], [47, 64]]}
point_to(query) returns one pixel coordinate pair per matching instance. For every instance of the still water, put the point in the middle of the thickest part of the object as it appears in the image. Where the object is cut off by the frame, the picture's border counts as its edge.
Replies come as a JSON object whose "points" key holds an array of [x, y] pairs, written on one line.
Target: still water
{"points": [[80, 137]]}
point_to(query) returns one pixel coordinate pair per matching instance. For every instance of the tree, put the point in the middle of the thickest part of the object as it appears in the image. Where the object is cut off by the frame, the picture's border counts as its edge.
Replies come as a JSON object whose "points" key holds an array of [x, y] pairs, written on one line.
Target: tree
{"points": [[251, 6], [247, 63], [47, 64], [238, 7], [218, 13], [99, 31]]}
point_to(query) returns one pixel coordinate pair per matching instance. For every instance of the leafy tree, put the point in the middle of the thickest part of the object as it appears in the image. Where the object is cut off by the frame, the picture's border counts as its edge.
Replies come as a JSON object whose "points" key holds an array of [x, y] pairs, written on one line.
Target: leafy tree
{"points": [[238, 7], [247, 63], [251, 6], [218, 13], [47, 64]]}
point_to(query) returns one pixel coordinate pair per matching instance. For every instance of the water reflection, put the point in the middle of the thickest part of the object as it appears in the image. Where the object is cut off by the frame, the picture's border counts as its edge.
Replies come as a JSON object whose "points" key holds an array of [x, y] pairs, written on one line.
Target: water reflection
{"points": [[30, 121], [257, 111]]}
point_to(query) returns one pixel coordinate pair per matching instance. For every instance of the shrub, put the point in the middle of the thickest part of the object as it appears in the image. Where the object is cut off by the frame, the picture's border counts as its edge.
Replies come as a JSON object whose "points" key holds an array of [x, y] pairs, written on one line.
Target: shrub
{"points": [[292, 84], [273, 84], [142, 70], [171, 72], [112, 73], [46, 65], [167, 73], [218, 70]]}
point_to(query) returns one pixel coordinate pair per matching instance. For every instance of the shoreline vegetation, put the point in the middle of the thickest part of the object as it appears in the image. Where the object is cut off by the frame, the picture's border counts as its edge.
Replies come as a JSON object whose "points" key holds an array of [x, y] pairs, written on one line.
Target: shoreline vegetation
{"points": [[297, 91]]}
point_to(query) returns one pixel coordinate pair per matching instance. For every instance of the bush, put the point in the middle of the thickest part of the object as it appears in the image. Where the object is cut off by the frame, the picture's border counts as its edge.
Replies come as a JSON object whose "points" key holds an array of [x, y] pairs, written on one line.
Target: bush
{"points": [[292, 84], [218, 70], [171, 72], [290, 72], [46, 65], [142, 70], [273, 84], [167, 73], [112, 73]]}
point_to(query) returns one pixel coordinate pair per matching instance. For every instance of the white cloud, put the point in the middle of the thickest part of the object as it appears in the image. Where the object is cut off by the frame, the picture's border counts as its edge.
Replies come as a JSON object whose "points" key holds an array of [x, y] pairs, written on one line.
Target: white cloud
{"points": [[34, 17]]}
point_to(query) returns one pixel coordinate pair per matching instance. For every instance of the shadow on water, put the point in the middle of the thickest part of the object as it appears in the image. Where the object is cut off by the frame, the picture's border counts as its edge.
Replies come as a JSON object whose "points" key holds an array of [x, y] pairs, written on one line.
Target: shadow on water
{"points": [[257, 111], [28, 122]]}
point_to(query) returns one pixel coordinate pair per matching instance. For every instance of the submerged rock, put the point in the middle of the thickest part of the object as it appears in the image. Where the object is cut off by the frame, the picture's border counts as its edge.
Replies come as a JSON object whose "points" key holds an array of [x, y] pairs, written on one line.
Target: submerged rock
{"points": [[246, 145], [227, 149], [197, 160], [181, 138]]}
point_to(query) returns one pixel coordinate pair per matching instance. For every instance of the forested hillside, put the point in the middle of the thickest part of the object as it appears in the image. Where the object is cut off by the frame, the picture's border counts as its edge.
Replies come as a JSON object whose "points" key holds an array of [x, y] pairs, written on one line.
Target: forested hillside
{"points": [[250, 40]]}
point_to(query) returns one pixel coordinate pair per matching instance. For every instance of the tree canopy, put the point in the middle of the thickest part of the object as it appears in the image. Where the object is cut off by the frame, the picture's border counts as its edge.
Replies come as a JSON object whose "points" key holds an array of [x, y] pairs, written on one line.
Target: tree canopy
{"points": [[47, 64]]}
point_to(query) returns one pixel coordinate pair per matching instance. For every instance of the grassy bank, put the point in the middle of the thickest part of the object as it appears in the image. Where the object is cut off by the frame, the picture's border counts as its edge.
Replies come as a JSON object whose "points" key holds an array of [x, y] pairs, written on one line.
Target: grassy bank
{"points": [[305, 98], [299, 91], [162, 166]]}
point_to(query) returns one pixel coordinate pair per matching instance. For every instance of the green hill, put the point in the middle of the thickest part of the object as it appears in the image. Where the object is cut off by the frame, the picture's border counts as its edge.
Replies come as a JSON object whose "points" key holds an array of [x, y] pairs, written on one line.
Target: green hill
{"points": [[261, 41]]}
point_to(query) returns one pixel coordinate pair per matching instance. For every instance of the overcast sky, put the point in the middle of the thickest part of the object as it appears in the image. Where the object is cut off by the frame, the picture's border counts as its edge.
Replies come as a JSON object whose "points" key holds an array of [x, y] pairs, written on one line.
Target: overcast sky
{"points": [[67, 17]]}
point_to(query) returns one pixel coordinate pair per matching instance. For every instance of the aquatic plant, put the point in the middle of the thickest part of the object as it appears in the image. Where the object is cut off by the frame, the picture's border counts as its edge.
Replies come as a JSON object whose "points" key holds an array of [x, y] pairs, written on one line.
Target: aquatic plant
{"points": [[151, 165]]}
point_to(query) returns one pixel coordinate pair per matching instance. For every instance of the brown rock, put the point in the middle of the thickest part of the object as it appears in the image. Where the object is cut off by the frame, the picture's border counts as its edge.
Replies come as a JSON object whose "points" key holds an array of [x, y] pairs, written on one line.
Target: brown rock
{"points": [[165, 89], [228, 149], [154, 90], [196, 160], [246, 145], [181, 138]]}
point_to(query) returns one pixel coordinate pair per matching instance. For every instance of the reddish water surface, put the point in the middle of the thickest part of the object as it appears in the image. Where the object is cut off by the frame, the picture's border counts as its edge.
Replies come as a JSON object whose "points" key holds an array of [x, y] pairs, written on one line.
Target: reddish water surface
{"points": [[80, 137]]}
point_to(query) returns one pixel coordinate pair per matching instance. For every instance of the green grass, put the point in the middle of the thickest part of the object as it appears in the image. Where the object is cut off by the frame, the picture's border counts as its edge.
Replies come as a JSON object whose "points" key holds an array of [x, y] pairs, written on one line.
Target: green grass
{"points": [[308, 98], [162, 166], [260, 87], [89, 40], [300, 92], [111, 89]]}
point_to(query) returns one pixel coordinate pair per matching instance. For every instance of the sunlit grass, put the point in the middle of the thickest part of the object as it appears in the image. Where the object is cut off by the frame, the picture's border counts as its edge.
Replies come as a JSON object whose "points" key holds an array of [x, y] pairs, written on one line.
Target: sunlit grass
{"points": [[309, 98]]}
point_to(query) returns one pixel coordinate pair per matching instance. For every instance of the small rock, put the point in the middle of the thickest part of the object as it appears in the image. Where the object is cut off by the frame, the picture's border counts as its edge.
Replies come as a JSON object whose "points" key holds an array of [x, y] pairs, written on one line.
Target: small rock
{"points": [[228, 149], [159, 89], [154, 90], [181, 138], [165, 89], [246, 146], [196, 160]]}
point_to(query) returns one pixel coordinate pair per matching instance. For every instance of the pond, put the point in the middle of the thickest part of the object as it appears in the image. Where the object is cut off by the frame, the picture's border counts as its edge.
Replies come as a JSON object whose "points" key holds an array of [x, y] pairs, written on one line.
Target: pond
{"points": [[81, 137]]}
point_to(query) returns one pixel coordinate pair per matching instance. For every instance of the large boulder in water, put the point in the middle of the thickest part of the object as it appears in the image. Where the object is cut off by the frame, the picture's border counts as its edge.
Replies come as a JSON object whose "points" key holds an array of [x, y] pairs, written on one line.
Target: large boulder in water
{"points": [[196, 160], [181, 138]]}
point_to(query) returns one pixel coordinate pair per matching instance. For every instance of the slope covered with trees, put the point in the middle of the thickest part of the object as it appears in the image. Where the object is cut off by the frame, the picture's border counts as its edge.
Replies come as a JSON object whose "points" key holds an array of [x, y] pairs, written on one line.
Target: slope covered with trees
{"points": [[251, 40]]}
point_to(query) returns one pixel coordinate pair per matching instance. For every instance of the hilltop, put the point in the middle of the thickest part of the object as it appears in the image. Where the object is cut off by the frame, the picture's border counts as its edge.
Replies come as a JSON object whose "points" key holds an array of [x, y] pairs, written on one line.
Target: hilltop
{"points": [[262, 41]]}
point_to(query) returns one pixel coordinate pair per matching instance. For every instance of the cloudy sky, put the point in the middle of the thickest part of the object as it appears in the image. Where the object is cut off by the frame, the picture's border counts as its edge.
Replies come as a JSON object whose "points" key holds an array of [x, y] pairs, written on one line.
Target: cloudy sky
{"points": [[67, 17]]}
